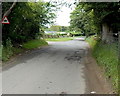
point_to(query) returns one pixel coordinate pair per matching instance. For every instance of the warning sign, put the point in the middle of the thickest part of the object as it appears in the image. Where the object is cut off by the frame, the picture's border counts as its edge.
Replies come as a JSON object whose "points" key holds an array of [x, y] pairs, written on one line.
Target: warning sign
{"points": [[5, 20]]}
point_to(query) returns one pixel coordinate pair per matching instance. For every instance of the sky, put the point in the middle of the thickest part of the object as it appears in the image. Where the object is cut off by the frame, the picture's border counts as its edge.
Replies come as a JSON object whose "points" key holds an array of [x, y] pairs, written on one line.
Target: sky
{"points": [[63, 16]]}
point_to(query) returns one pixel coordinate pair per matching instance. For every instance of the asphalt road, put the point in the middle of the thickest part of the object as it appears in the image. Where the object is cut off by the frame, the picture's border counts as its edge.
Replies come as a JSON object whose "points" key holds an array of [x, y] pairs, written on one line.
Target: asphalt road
{"points": [[55, 69]]}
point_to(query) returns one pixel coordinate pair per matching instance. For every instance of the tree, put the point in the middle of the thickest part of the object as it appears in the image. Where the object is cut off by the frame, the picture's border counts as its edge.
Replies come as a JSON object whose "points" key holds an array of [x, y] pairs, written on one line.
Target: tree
{"points": [[82, 20], [58, 28], [9, 10], [89, 17], [26, 20]]}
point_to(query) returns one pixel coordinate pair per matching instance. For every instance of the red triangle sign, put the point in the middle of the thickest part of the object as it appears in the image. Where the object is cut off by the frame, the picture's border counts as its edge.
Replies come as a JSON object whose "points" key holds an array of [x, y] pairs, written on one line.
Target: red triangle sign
{"points": [[5, 20]]}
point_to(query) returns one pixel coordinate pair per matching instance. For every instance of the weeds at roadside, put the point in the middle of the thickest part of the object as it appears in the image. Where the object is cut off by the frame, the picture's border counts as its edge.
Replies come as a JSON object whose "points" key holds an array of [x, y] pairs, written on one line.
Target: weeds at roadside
{"points": [[8, 50], [107, 57]]}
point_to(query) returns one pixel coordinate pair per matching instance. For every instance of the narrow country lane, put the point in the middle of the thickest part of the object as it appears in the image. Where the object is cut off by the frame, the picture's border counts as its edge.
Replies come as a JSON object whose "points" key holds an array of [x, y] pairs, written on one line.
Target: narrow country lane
{"points": [[54, 69]]}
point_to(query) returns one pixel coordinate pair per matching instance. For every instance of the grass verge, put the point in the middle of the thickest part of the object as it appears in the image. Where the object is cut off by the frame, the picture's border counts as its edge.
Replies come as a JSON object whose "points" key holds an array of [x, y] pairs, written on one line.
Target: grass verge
{"points": [[7, 52], [34, 44], [60, 39], [107, 57]]}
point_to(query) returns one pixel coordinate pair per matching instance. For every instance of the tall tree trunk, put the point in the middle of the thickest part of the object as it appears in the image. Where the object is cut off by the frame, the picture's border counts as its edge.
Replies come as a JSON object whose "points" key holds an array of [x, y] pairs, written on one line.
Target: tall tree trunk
{"points": [[107, 33], [104, 32]]}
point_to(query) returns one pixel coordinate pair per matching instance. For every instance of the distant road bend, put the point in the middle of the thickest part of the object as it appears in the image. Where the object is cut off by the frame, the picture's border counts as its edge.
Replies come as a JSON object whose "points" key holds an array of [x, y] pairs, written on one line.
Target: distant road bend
{"points": [[61, 67]]}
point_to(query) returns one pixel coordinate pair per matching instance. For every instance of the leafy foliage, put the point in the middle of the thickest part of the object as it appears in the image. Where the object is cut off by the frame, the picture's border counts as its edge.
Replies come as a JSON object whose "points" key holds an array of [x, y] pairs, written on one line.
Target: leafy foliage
{"points": [[8, 50], [58, 28], [27, 20], [107, 57], [88, 17]]}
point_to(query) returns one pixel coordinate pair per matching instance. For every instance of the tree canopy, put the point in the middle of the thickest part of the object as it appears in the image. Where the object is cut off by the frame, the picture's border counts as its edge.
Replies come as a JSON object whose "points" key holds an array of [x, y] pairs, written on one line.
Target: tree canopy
{"points": [[27, 20], [88, 17]]}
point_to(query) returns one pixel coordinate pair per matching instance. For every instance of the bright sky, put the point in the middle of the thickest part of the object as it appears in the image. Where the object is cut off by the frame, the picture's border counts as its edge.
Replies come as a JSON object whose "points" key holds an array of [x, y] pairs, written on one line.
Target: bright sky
{"points": [[63, 16]]}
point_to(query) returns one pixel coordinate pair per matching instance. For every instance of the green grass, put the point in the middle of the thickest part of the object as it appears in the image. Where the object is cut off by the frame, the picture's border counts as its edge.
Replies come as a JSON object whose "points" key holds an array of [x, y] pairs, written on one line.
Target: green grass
{"points": [[34, 44], [60, 39], [91, 41], [8, 52], [107, 57]]}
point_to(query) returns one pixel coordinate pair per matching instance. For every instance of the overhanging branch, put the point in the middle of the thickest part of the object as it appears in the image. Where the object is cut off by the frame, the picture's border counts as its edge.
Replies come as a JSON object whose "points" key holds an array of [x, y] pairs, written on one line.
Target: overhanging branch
{"points": [[9, 10]]}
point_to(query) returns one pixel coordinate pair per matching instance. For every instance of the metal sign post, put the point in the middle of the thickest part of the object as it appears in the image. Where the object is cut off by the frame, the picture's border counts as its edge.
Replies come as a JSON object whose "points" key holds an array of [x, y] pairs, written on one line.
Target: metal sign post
{"points": [[119, 63]]}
